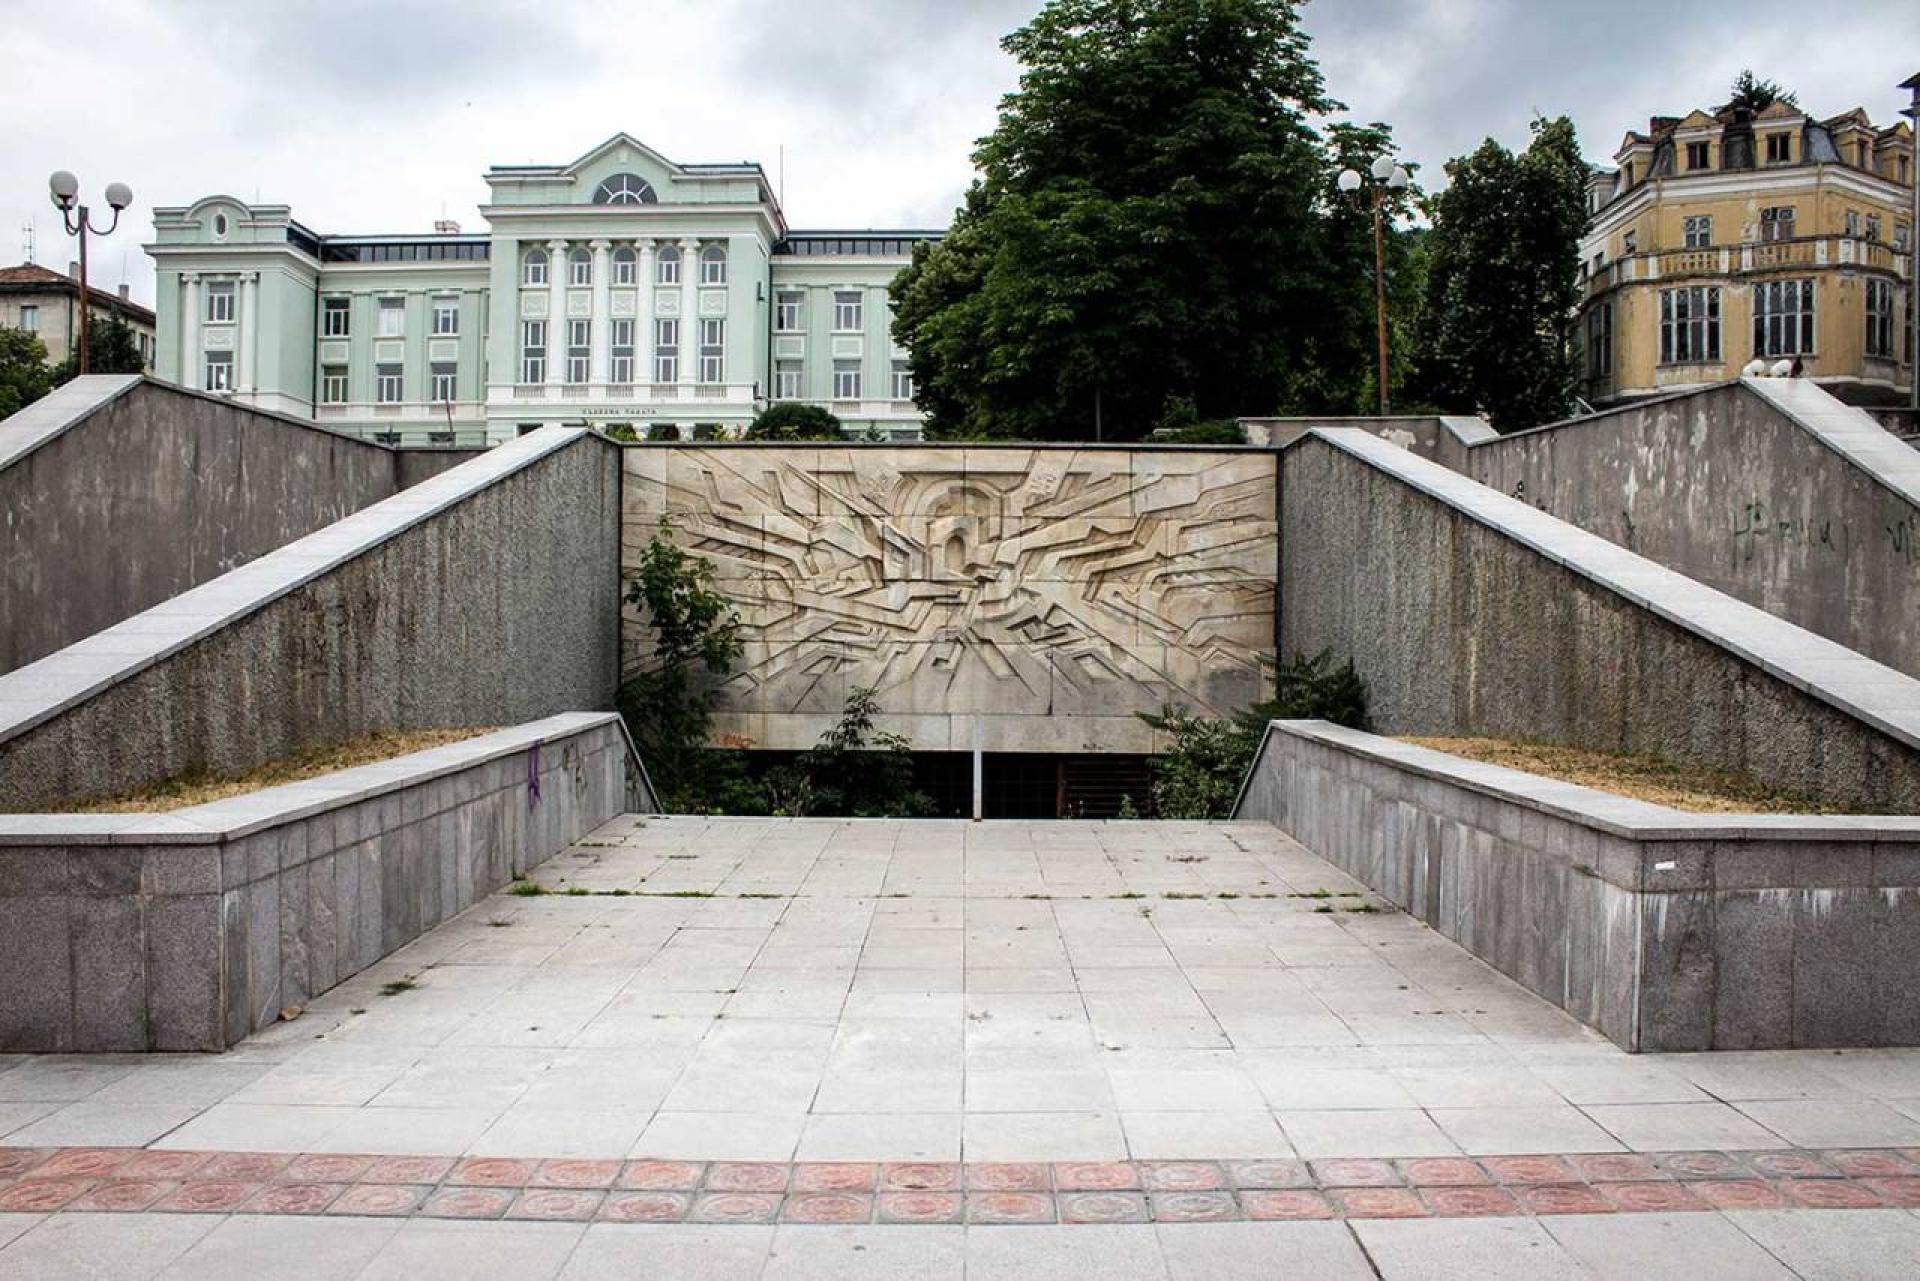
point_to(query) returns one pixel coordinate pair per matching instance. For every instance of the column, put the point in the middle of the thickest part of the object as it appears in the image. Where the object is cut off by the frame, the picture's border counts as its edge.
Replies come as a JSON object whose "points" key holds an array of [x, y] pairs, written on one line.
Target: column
{"points": [[556, 312], [602, 307], [689, 311], [643, 340], [247, 331], [190, 331]]}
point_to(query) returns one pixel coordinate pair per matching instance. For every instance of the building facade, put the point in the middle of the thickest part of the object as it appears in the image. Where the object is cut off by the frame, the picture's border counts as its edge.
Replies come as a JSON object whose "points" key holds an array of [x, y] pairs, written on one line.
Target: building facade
{"points": [[1724, 238], [619, 290], [47, 304]]}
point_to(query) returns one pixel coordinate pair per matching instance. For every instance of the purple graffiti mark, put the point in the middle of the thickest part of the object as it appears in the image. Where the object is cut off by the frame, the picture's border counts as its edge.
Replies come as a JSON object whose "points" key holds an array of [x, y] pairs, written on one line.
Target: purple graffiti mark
{"points": [[533, 773]]}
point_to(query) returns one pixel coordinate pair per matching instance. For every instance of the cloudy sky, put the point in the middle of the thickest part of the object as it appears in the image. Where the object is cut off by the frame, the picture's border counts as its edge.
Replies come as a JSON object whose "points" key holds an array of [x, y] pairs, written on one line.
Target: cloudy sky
{"points": [[379, 115]]}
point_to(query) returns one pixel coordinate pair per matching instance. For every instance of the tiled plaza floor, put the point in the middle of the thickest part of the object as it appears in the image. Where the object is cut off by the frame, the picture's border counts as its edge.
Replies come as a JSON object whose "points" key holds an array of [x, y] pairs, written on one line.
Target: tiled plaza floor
{"points": [[713, 1037]]}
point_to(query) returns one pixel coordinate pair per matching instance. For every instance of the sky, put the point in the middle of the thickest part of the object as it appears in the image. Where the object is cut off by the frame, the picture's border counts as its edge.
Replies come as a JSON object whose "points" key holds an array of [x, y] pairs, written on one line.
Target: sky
{"points": [[380, 115]]}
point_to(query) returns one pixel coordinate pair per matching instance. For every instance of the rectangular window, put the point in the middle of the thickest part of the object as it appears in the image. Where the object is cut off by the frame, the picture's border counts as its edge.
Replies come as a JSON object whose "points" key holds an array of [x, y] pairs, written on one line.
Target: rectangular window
{"points": [[620, 350], [666, 268], [902, 381], [623, 263], [1779, 148], [393, 318], [1776, 222], [1699, 232], [1783, 318], [1629, 242], [387, 384], [1689, 325], [445, 383], [1600, 341], [848, 312], [1902, 236], [580, 269], [446, 317], [1873, 227], [333, 385], [533, 351], [1880, 318], [30, 319], [666, 351], [1853, 222], [786, 380], [1697, 153], [846, 380], [579, 349], [335, 317], [713, 339], [788, 305], [220, 302], [219, 371]]}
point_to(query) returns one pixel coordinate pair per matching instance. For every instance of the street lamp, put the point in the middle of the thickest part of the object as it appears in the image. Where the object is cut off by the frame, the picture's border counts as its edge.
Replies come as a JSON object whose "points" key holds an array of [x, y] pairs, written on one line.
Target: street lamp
{"points": [[1912, 84], [65, 189], [1389, 180]]}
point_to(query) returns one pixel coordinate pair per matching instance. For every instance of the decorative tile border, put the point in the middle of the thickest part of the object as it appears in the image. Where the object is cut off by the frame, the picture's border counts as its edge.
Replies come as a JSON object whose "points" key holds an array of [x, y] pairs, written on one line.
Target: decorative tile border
{"points": [[132, 1180]]}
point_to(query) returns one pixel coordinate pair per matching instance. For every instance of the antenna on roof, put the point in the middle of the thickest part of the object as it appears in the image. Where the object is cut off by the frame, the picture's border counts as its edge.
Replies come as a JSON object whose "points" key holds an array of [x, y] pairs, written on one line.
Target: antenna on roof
{"points": [[26, 236], [780, 178]]}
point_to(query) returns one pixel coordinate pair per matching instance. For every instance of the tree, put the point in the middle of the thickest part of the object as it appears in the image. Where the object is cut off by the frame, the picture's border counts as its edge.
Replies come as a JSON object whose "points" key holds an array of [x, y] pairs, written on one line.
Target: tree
{"points": [[663, 431], [1750, 93], [112, 348], [24, 375], [791, 420], [1503, 268], [1150, 221]]}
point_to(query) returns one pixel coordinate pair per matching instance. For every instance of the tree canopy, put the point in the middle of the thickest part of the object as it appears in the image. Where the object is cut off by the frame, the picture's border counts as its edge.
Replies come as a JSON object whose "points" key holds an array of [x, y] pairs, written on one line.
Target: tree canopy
{"points": [[1751, 93], [112, 348], [24, 374], [791, 420]]}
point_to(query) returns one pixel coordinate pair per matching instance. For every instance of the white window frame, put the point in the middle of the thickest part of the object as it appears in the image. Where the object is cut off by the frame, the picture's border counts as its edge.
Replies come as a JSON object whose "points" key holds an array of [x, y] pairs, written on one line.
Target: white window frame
{"points": [[625, 265], [30, 317], [713, 351], [445, 376], [620, 351], [217, 372], [849, 311], [789, 379], [902, 381], [336, 309], [1783, 317], [713, 265], [533, 352], [534, 268], [389, 384], [789, 311], [847, 381], [666, 265], [579, 269], [666, 349], [333, 384], [396, 308], [221, 303], [579, 350], [446, 317]]}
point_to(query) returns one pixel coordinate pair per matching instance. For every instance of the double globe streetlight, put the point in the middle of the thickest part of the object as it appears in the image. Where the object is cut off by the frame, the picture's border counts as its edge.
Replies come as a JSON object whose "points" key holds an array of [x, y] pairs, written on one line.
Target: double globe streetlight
{"points": [[1389, 180], [65, 189]]}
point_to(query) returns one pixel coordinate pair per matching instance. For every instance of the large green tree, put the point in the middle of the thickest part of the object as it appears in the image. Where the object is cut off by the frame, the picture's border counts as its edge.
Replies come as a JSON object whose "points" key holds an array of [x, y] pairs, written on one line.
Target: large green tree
{"points": [[24, 374], [1150, 225], [112, 348], [1503, 270]]}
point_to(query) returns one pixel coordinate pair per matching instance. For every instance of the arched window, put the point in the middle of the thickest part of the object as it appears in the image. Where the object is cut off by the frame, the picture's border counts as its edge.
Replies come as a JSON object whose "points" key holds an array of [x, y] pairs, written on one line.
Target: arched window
{"points": [[713, 265], [666, 266], [579, 267], [625, 189], [623, 262], [533, 268]]}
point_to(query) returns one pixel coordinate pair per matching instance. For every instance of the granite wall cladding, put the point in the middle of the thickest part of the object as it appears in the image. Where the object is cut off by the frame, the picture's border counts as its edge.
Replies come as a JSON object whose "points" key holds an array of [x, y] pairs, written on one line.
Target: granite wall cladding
{"points": [[1053, 592], [1664, 930], [191, 930]]}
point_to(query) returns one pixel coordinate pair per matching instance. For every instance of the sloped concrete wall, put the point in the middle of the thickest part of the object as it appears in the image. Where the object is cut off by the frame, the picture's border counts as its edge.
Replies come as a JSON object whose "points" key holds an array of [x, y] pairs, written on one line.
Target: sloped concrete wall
{"points": [[488, 595]]}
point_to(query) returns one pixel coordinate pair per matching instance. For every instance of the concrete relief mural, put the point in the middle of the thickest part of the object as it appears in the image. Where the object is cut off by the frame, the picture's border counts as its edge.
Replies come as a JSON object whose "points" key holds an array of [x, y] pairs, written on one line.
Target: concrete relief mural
{"points": [[1053, 591]]}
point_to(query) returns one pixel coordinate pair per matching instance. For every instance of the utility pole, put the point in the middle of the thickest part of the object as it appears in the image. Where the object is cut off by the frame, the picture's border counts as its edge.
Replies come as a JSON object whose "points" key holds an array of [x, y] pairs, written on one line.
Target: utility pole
{"points": [[65, 190]]}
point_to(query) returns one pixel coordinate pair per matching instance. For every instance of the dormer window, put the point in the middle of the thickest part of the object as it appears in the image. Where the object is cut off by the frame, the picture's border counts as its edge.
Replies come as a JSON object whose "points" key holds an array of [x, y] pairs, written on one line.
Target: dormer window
{"points": [[625, 189], [533, 268], [1779, 148], [1699, 154]]}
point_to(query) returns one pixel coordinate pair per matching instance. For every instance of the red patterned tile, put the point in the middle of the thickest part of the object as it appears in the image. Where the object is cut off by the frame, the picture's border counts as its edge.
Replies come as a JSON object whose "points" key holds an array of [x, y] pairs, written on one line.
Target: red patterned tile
{"points": [[747, 1176], [834, 1176], [1444, 1172], [209, 1196], [122, 1196], [15, 1162], [1561, 1198], [408, 1169], [1009, 1207], [662, 1176], [646, 1207], [1902, 1191], [1006, 1176], [1466, 1202], [1701, 1165], [94, 1163], [467, 1203], [1182, 1176], [157, 1163], [1737, 1194], [380, 1200], [1285, 1205], [735, 1207], [42, 1194], [1194, 1207], [1652, 1196], [567, 1205], [1095, 1176], [827, 1207], [1102, 1207], [922, 1176], [1830, 1194], [492, 1172], [1531, 1169], [1789, 1165], [326, 1167], [1378, 1203], [243, 1167], [1618, 1167], [1881, 1163], [1270, 1174], [293, 1198], [1356, 1172], [919, 1207], [575, 1174]]}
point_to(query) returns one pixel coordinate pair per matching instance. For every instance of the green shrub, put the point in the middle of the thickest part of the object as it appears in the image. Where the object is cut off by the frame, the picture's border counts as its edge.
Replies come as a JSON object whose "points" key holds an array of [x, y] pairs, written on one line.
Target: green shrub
{"points": [[622, 432], [855, 771], [790, 420], [706, 431], [663, 431]]}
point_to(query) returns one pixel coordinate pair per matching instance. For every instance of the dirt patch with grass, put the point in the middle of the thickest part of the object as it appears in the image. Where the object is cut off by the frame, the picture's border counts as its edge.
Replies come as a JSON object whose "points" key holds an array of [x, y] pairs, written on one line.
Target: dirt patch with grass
{"points": [[200, 789], [1645, 778]]}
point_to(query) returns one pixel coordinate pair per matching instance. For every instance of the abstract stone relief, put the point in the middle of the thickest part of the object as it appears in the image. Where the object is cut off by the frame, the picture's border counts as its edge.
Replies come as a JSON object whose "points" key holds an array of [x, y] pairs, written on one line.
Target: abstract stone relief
{"points": [[1054, 592]]}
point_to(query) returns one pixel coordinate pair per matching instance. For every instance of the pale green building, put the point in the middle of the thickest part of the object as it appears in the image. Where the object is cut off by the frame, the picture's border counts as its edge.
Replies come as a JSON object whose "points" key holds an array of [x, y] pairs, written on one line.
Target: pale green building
{"points": [[619, 289]]}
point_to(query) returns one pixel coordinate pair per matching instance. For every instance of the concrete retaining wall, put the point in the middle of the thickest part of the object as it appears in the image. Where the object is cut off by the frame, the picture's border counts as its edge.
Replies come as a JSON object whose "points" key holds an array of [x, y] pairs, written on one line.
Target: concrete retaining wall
{"points": [[190, 930], [487, 595], [1469, 612], [1664, 930]]}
